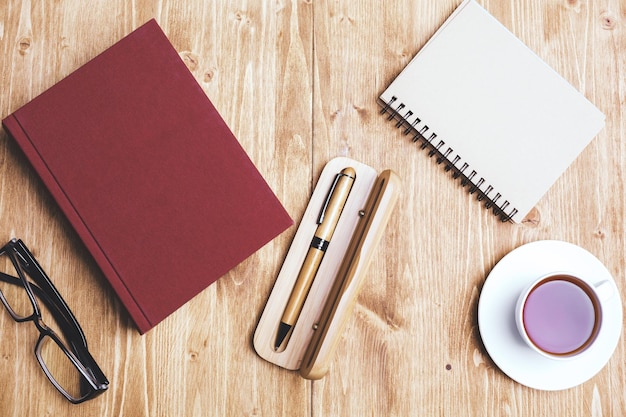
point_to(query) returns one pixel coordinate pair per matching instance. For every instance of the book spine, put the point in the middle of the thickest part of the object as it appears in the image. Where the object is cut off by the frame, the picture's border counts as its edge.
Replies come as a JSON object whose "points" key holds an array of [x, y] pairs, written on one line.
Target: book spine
{"points": [[15, 130], [397, 111]]}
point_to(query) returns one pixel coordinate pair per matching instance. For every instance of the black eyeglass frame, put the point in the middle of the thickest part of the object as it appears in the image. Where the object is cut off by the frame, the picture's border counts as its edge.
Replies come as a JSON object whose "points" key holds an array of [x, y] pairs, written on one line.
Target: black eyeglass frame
{"points": [[93, 381]]}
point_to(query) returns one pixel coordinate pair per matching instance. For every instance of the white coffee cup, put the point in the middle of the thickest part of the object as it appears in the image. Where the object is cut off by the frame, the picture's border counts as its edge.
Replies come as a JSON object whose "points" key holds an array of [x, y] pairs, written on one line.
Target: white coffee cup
{"points": [[560, 314]]}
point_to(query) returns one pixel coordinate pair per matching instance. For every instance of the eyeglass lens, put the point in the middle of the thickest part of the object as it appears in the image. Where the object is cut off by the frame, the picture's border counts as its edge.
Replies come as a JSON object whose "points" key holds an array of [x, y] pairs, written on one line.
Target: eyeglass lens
{"points": [[14, 294], [59, 368]]}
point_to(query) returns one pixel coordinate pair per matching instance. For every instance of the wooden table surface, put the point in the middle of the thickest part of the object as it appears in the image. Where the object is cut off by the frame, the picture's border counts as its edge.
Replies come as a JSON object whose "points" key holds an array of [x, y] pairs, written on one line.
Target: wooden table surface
{"points": [[297, 83]]}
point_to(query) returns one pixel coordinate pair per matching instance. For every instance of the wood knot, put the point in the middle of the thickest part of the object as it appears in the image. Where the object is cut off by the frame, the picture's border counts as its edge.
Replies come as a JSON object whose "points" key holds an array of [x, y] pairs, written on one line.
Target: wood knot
{"points": [[600, 234], [346, 20], [533, 218], [362, 112], [193, 356], [190, 59], [573, 4], [242, 18], [23, 44], [607, 21], [209, 74], [335, 114], [64, 43], [404, 54]]}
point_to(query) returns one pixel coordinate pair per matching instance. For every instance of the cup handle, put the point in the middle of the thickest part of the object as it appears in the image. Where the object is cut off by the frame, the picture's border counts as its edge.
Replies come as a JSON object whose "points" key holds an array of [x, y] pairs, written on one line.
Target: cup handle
{"points": [[604, 289]]}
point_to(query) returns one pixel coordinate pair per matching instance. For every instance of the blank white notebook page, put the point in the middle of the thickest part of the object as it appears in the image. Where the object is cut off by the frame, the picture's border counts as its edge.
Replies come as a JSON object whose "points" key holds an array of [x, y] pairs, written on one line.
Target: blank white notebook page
{"points": [[497, 105]]}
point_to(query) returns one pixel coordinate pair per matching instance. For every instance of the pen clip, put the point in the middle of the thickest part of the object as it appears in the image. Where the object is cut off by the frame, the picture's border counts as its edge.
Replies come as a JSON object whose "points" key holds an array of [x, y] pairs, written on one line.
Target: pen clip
{"points": [[320, 218]]}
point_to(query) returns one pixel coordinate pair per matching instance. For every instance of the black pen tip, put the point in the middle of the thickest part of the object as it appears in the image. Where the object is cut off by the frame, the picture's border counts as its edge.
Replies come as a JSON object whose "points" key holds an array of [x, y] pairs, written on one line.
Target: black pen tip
{"points": [[283, 330]]}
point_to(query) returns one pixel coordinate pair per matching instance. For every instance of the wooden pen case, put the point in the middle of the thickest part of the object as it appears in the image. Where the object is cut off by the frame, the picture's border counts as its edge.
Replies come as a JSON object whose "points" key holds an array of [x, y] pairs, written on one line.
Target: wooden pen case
{"points": [[311, 345]]}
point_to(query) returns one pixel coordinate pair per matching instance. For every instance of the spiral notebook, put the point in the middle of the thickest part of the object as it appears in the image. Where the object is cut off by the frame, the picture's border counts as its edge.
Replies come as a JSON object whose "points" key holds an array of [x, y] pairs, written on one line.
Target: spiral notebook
{"points": [[491, 111]]}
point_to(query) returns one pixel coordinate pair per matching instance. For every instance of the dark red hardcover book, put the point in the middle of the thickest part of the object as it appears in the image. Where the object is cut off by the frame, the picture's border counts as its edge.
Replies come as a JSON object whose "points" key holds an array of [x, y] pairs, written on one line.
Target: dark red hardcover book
{"points": [[157, 187]]}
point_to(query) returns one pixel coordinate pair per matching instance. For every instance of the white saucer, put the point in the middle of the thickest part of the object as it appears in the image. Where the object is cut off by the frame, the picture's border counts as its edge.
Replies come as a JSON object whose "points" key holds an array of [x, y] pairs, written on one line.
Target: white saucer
{"points": [[496, 319]]}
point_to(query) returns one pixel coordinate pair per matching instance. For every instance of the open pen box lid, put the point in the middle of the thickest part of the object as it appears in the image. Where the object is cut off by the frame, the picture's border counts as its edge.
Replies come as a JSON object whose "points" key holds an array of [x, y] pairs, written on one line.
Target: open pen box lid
{"points": [[359, 229]]}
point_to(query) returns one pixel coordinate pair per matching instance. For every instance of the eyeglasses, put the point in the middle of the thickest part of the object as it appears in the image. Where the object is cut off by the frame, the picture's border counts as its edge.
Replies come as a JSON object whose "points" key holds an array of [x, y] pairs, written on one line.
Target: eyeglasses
{"points": [[62, 352]]}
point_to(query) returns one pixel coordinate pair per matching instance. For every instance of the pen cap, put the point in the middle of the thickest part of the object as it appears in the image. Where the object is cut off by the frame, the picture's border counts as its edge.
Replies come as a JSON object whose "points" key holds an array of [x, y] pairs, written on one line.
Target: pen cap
{"points": [[335, 201]]}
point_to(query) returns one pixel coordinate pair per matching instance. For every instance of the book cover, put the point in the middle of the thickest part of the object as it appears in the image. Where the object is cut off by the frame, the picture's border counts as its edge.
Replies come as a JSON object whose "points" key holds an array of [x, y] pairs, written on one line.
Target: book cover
{"points": [[155, 184]]}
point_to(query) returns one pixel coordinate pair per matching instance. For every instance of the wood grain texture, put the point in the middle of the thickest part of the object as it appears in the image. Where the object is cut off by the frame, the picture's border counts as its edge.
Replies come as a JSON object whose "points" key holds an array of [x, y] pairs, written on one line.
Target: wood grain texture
{"points": [[297, 82]]}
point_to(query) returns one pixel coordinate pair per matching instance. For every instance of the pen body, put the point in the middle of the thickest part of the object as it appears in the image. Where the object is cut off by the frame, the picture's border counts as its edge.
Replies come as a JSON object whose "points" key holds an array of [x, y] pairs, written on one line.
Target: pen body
{"points": [[329, 217], [302, 286]]}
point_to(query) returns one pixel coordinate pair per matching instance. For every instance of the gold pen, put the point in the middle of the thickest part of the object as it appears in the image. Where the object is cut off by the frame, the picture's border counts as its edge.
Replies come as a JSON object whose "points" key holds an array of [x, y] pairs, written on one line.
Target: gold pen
{"points": [[327, 222]]}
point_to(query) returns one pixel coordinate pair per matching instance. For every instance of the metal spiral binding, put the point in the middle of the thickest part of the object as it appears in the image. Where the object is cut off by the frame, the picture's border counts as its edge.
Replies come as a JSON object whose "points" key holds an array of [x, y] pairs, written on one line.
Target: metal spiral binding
{"points": [[436, 148]]}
